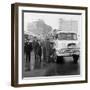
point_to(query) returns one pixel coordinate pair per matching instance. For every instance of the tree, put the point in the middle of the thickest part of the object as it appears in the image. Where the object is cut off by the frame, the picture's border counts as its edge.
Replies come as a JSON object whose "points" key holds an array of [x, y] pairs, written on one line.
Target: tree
{"points": [[39, 27]]}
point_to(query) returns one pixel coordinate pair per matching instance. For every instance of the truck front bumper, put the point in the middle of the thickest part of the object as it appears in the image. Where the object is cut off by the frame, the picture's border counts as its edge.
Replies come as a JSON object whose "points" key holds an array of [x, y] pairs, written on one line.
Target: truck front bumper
{"points": [[67, 52]]}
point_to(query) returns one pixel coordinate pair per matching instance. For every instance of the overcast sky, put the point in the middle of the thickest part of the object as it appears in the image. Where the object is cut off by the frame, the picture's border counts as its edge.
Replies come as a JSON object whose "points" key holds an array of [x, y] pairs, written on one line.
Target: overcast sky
{"points": [[50, 19]]}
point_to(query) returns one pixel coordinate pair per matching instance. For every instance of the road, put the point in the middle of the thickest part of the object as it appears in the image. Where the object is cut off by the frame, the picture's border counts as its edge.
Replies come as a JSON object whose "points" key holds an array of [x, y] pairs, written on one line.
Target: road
{"points": [[54, 69]]}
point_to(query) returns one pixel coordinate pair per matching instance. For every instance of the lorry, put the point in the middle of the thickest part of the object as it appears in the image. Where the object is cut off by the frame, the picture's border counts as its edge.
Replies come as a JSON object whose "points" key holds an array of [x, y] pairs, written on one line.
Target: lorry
{"points": [[66, 43]]}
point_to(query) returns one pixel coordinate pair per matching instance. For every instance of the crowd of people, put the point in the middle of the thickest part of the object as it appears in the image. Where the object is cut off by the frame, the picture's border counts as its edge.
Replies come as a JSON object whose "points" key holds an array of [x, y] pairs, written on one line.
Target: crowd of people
{"points": [[37, 51]]}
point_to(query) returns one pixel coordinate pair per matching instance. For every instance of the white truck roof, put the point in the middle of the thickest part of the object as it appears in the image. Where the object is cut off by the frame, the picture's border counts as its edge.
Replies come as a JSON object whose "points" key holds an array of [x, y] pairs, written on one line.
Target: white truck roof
{"points": [[65, 32]]}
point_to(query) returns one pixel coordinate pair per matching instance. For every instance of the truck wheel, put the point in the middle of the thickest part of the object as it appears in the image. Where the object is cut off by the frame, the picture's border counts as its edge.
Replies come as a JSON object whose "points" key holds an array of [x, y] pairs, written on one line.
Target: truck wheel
{"points": [[75, 58], [60, 59]]}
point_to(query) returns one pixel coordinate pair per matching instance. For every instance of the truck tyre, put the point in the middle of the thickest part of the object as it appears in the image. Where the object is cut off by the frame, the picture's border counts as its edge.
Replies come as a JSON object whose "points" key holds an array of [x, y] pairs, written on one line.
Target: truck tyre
{"points": [[75, 58], [60, 59]]}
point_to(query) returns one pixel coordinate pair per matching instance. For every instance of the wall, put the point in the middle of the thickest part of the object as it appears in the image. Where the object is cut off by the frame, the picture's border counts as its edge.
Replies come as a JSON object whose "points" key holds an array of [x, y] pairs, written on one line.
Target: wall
{"points": [[5, 45]]}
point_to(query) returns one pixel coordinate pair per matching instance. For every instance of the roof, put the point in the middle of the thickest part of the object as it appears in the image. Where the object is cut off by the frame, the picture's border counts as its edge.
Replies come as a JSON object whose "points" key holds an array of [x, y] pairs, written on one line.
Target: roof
{"points": [[65, 32]]}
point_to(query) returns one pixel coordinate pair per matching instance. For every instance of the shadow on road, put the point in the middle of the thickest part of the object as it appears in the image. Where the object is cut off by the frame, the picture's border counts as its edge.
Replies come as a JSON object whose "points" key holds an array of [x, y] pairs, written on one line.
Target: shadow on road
{"points": [[68, 68]]}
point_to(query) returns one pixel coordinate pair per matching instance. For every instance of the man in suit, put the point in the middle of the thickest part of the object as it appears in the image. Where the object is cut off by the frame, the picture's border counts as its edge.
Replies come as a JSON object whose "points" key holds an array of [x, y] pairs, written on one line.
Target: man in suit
{"points": [[39, 50], [52, 52], [28, 49], [47, 50], [35, 47]]}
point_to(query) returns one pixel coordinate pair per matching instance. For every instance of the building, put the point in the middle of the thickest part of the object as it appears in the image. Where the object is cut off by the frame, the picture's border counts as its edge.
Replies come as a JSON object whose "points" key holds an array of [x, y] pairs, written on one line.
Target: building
{"points": [[68, 25]]}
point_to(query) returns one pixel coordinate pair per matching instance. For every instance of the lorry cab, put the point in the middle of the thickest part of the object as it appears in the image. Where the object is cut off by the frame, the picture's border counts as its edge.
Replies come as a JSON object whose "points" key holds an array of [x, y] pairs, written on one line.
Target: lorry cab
{"points": [[67, 44]]}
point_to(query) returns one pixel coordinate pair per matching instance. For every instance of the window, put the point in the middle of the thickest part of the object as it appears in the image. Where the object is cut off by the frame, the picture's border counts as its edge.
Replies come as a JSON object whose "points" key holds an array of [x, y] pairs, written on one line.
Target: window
{"points": [[67, 36]]}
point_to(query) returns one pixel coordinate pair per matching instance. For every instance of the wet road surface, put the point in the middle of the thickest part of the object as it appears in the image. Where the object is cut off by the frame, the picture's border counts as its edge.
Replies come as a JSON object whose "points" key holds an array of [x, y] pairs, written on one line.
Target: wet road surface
{"points": [[54, 69]]}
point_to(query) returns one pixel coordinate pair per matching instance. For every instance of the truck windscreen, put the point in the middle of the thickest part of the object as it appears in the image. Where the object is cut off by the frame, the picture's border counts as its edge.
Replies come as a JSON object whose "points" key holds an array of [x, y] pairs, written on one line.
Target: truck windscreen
{"points": [[67, 36]]}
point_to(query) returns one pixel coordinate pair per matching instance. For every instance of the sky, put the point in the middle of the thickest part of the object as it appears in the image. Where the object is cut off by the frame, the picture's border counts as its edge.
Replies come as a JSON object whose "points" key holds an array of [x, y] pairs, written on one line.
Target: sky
{"points": [[49, 19]]}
